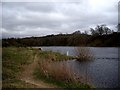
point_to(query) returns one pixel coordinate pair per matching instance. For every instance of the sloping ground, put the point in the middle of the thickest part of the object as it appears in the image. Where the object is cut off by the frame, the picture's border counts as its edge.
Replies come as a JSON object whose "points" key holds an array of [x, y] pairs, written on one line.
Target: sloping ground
{"points": [[18, 64], [27, 76]]}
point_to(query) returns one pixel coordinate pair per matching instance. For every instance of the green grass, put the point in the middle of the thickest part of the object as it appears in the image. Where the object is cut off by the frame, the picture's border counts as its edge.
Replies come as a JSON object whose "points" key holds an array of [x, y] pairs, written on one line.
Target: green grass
{"points": [[54, 56], [13, 60]]}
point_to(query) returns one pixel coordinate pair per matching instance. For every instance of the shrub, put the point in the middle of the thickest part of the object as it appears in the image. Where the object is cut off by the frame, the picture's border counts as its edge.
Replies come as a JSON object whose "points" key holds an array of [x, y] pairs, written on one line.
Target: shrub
{"points": [[83, 53]]}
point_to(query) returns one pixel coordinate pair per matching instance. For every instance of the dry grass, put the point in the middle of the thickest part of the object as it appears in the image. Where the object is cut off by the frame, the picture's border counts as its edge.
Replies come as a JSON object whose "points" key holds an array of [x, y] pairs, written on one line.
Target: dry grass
{"points": [[83, 53], [58, 71]]}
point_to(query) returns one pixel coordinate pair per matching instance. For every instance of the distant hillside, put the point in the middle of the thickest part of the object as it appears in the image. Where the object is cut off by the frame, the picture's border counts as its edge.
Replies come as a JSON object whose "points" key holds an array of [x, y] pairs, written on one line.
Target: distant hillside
{"points": [[74, 39]]}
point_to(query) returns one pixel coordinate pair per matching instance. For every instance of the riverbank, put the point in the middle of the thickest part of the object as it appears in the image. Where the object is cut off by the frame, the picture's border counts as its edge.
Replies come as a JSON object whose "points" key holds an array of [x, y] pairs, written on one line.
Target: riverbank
{"points": [[24, 65], [17, 61], [13, 61], [51, 69]]}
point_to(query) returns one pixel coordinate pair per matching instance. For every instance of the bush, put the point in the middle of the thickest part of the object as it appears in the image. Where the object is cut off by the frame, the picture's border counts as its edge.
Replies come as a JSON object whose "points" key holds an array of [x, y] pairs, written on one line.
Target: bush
{"points": [[83, 53]]}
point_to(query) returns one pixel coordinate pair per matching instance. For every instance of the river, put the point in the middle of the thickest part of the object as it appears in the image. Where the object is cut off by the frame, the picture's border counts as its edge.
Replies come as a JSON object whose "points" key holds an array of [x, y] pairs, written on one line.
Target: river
{"points": [[102, 72]]}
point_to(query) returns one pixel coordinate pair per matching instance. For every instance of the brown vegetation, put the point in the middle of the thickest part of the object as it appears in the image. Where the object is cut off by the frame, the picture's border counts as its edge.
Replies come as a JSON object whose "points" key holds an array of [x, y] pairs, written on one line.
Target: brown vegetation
{"points": [[59, 71], [83, 53]]}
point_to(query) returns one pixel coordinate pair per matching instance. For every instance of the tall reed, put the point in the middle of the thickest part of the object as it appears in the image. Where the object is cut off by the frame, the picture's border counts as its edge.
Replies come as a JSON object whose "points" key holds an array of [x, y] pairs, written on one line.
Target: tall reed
{"points": [[58, 70], [83, 53]]}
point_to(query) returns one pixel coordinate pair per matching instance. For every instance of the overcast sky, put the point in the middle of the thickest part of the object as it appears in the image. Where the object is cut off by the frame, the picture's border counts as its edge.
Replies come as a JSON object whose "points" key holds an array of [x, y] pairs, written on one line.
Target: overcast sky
{"points": [[24, 19]]}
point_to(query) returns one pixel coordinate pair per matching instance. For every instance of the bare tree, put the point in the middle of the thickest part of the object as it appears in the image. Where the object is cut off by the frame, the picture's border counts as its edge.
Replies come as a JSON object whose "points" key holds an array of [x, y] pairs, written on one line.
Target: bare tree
{"points": [[107, 30], [100, 30], [85, 32], [93, 32]]}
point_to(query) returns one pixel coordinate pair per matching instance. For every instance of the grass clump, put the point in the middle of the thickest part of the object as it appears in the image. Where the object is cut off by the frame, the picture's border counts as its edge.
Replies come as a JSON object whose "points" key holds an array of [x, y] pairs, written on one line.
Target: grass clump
{"points": [[83, 54]]}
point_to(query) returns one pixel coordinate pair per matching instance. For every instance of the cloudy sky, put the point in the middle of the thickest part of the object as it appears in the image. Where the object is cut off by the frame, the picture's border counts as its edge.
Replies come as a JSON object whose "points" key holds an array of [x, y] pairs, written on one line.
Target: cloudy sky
{"points": [[25, 19]]}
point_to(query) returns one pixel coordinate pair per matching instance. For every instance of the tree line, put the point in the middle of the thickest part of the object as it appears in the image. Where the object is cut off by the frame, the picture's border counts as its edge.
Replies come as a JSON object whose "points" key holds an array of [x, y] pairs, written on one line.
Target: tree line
{"points": [[100, 36]]}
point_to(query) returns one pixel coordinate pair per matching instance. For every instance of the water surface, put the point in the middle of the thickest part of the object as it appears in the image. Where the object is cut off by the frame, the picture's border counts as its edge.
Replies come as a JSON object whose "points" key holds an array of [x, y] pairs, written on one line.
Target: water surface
{"points": [[102, 72]]}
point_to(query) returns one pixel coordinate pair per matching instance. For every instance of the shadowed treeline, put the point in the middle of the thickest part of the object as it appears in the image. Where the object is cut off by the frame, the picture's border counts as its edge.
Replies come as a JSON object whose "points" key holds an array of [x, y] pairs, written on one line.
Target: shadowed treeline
{"points": [[101, 36], [110, 40]]}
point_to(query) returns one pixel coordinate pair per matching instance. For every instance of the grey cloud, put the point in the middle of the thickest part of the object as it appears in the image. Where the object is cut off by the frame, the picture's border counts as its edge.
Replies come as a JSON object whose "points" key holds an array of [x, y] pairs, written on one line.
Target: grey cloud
{"points": [[37, 19]]}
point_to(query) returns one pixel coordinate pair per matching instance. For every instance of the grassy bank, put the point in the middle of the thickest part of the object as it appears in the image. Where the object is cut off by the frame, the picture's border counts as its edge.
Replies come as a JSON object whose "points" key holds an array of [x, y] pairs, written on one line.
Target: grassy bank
{"points": [[68, 83], [53, 56], [13, 60], [51, 71]]}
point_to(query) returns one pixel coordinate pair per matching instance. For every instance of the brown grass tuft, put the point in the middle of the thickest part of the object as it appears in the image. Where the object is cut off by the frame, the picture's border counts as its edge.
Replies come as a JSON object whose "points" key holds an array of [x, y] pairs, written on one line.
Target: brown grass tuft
{"points": [[83, 53], [58, 71]]}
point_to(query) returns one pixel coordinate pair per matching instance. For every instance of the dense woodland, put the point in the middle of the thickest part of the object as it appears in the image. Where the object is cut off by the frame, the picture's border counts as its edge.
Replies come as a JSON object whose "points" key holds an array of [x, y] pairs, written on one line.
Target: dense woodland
{"points": [[101, 36]]}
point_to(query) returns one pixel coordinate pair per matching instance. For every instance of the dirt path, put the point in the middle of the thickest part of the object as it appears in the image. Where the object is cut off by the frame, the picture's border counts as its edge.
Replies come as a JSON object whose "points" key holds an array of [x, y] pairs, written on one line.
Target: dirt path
{"points": [[27, 76]]}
